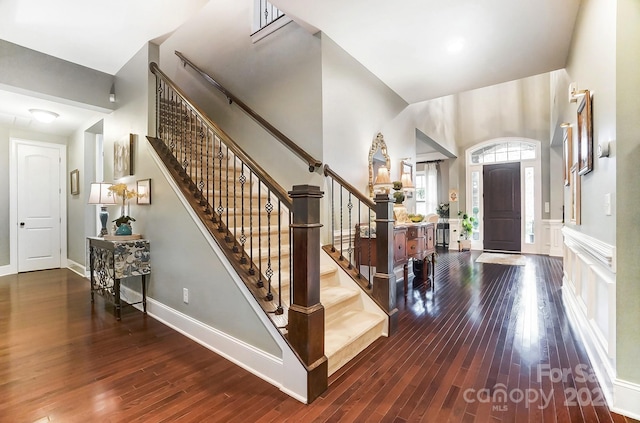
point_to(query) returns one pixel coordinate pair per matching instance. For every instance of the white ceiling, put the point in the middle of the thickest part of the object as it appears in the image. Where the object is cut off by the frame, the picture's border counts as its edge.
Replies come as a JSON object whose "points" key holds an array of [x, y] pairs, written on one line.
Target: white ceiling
{"points": [[404, 43], [97, 34], [407, 43]]}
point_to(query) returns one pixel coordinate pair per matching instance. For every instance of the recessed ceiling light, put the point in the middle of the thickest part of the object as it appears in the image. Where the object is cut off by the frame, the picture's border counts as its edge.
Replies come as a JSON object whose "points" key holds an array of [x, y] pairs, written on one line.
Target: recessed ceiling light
{"points": [[44, 116], [455, 45]]}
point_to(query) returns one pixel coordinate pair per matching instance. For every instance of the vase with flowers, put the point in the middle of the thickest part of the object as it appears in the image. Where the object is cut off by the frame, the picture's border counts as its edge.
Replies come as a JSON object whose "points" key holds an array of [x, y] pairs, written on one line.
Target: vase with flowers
{"points": [[123, 223]]}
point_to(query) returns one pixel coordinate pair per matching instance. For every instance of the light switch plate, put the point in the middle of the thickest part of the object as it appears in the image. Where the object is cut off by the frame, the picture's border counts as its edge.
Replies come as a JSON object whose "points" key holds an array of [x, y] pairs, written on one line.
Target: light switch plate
{"points": [[607, 204]]}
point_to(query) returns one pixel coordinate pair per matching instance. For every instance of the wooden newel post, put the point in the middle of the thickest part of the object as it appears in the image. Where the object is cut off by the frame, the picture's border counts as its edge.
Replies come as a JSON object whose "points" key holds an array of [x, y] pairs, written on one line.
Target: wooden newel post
{"points": [[306, 314], [384, 280]]}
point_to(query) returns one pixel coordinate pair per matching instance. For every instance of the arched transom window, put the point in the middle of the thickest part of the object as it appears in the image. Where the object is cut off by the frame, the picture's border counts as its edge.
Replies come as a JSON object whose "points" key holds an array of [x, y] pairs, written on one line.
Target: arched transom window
{"points": [[504, 150]]}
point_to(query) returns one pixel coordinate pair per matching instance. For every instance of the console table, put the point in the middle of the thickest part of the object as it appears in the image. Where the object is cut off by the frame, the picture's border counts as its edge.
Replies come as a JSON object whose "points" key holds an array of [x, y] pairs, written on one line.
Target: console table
{"points": [[112, 261], [412, 241]]}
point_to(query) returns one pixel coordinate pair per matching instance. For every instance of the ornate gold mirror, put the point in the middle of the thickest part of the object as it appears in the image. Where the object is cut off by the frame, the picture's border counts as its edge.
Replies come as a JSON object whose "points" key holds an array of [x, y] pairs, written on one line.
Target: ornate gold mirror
{"points": [[378, 158]]}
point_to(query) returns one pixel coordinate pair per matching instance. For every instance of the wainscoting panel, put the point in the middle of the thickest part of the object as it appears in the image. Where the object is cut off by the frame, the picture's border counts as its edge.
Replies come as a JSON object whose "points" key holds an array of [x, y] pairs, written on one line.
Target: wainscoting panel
{"points": [[589, 295], [552, 237]]}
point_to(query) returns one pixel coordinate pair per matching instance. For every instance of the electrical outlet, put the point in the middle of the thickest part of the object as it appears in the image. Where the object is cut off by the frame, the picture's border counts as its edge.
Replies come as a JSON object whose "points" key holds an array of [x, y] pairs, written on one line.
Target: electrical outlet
{"points": [[185, 295]]}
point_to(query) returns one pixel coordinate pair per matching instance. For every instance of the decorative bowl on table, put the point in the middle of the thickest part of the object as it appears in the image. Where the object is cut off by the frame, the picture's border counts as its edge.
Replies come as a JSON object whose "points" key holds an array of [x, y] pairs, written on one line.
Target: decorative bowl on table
{"points": [[416, 218]]}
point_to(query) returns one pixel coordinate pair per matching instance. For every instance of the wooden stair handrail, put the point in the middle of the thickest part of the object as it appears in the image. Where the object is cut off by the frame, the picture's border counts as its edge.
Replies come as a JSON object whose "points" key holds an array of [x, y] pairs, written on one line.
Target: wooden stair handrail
{"points": [[273, 186], [353, 190], [295, 148]]}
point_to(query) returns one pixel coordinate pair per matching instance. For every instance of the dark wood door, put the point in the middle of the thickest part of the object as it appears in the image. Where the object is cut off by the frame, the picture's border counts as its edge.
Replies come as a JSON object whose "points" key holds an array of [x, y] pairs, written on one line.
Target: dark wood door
{"points": [[502, 207]]}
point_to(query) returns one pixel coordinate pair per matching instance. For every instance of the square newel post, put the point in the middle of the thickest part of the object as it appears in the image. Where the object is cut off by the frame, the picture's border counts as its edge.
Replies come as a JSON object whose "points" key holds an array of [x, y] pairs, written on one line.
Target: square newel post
{"points": [[384, 280], [306, 314]]}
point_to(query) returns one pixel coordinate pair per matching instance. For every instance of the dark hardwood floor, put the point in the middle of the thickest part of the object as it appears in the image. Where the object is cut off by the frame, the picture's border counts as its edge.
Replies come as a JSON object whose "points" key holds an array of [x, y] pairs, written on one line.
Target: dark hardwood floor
{"points": [[487, 347]]}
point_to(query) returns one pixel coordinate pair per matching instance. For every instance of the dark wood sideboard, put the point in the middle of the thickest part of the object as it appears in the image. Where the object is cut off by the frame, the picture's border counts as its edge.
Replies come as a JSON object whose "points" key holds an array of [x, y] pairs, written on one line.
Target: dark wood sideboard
{"points": [[414, 241]]}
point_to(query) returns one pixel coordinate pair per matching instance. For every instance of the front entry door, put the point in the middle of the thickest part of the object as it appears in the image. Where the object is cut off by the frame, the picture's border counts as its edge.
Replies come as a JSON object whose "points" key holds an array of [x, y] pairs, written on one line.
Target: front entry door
{"points": [[502, 207], [38, 194]]}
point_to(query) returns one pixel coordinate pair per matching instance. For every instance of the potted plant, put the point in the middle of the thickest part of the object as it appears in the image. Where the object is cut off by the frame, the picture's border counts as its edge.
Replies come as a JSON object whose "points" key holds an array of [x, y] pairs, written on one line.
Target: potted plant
{"points": [[443, 212], [398, 194], [123, 223], [466, 229]]}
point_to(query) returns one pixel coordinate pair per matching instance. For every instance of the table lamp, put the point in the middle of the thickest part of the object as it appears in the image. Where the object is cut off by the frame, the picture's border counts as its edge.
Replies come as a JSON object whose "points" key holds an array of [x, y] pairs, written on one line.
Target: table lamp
{"points": [[383, 180], [100, 194]]}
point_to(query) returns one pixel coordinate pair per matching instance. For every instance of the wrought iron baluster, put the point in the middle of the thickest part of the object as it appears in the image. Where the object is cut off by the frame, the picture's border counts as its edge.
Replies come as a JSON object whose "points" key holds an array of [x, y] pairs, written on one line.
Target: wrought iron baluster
{"points": [[235, 206], [269, 272], [260, 281], [243, 237], [220, 207], [341, 225], [227, 237], [333, 218], [279, 309], [251, 268], [350, 249]]}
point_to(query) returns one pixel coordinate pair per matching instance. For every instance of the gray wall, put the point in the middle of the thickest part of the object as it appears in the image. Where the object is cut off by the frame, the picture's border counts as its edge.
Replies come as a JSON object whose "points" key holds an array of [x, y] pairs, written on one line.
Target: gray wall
{"points": [[592, 65], [628, 191], [43, 75], [181, 257], [279, 77]]}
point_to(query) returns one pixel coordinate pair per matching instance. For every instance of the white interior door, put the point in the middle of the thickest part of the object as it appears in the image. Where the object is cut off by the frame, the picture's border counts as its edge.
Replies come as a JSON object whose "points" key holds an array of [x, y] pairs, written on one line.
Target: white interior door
{"points": [[38, 208]]}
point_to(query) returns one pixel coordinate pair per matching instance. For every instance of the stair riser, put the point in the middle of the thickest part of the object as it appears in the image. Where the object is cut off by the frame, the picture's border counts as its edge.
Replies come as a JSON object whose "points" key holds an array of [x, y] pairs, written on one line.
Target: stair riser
{"points": [[355, 347]]}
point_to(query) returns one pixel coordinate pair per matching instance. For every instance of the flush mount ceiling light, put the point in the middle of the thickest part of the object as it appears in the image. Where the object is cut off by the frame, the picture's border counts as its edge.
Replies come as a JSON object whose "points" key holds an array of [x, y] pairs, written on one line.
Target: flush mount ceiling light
{"points": [[44, 116]]}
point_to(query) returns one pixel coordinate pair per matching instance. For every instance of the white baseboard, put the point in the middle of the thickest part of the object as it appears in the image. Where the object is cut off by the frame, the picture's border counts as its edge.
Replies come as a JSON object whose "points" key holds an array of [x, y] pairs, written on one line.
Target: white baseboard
{"points": [[626, 399], [77, 268], [266, 366], [601, 366], [7, 270]]}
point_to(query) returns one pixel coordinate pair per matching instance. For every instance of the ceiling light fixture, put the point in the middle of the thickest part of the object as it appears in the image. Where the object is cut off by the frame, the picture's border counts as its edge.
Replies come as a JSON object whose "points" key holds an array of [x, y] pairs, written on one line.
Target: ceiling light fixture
{"points": [[44, 116], [455, 45]]}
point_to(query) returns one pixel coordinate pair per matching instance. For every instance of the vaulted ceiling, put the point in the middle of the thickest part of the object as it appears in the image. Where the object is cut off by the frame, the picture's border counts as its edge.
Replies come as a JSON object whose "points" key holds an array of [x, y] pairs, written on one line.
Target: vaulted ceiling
{"points": [[422, 49]]}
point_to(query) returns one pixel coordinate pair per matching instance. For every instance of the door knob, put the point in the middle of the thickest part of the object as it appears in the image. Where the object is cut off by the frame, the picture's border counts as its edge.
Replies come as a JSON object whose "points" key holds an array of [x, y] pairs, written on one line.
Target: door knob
{"points": [[21, 224]]}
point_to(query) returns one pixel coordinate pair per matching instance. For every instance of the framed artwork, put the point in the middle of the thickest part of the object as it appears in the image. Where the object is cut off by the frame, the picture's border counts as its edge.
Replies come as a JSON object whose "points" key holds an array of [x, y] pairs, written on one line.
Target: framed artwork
{"points": [[575, 194], [585, 135], [123, 157], [75, 182], [143, 187], [567, 153]]}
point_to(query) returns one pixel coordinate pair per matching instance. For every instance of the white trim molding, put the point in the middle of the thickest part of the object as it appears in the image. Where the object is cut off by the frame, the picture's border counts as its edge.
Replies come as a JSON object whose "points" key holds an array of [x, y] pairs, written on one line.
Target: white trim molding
{"points": [[626, 399], [287, 373], [7, 270], [552, 237], [266, 366], [600, 251], [77, 268], [589, 298]]}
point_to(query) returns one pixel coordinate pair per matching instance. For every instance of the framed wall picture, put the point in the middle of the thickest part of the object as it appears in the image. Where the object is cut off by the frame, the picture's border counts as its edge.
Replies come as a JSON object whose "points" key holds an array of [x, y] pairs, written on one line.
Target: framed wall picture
{"points": [[567, 154], [123, 157], [143, 187], [75, 182], [585, 135]]}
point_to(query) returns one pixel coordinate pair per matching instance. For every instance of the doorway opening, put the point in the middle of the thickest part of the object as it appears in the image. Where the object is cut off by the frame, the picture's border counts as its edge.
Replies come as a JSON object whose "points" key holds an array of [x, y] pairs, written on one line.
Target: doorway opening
{"points": [[525, 152]]}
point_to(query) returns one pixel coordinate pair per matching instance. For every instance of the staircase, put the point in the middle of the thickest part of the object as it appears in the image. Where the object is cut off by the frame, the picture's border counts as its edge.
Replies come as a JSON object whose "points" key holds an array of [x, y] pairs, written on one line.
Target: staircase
{"points": [[250, 215]]}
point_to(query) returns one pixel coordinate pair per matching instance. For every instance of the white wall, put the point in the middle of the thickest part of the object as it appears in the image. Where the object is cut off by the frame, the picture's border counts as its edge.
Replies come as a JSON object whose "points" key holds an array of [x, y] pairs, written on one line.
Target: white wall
{"points": [[279, 77]]}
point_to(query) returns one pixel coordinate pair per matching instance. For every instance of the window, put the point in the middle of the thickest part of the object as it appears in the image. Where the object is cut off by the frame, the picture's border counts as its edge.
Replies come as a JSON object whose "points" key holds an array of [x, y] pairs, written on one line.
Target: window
{"points": [[427, 189], [504, 151], [529, 206]]}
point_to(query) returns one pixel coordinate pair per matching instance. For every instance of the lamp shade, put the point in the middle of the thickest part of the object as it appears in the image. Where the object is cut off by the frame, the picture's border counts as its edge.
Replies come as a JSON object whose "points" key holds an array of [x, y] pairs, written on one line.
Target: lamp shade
{"points": [[100, 194], [407, 183], [383, 178]]}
